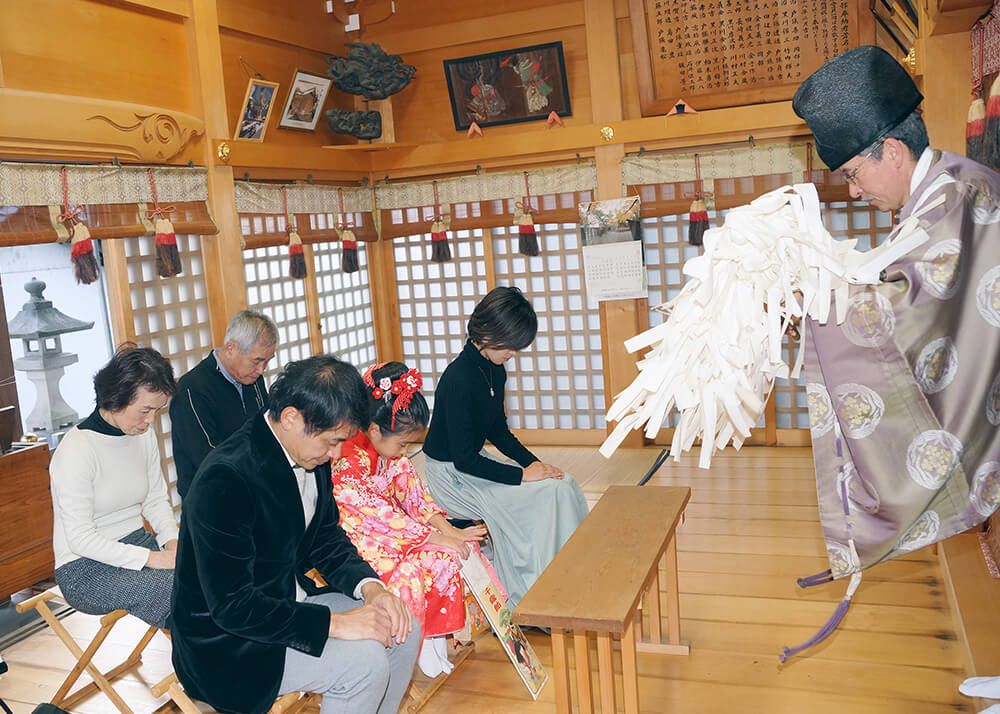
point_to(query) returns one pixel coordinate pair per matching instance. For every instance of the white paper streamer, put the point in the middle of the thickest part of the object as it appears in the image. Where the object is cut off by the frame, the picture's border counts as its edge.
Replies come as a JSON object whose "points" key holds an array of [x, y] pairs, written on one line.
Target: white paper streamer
{"points": [[716, 356]]}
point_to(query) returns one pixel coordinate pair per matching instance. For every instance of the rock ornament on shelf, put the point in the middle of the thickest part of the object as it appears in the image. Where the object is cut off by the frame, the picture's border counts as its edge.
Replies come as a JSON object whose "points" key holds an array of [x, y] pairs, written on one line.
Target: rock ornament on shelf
{"points": [[371, 72]]}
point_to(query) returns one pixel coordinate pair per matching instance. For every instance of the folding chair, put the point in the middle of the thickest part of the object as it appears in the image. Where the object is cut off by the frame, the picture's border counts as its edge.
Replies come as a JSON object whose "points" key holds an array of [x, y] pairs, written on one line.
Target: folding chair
{"points": [[63, 697], [290, 703]]}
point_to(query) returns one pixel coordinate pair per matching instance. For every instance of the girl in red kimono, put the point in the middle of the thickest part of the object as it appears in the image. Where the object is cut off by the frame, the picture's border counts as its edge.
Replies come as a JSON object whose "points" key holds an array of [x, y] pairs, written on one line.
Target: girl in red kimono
{"points": [[393, 521]]}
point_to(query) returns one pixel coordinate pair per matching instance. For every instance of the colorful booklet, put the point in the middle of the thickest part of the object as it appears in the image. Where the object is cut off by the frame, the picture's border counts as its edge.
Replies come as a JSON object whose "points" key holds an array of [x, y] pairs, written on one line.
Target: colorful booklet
{"points": [[482, 582]]}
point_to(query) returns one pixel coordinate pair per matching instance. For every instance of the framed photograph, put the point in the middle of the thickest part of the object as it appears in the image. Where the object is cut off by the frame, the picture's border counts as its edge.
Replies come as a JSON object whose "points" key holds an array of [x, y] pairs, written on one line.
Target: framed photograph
{"points": [[255, 110], [522, 84], [304, 104]]}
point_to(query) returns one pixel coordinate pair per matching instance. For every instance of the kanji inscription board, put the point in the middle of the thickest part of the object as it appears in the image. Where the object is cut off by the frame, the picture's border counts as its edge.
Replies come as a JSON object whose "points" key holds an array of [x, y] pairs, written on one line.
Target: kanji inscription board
{"points": [[723, 53]]}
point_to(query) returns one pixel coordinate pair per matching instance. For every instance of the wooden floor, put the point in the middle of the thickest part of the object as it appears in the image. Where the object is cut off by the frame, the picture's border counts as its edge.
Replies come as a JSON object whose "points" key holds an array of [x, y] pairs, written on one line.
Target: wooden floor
{"points": [[751, 529]]}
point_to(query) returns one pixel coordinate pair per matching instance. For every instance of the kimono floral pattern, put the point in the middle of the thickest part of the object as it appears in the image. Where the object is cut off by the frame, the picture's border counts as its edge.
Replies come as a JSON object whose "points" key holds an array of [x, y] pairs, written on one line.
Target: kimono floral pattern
{"points": [[385, 511]]}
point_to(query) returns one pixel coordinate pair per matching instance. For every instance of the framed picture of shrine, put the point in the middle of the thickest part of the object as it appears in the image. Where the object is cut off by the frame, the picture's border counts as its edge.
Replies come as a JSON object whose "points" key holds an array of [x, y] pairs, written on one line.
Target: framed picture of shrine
{"points": [[727, 53], [521, 84]]}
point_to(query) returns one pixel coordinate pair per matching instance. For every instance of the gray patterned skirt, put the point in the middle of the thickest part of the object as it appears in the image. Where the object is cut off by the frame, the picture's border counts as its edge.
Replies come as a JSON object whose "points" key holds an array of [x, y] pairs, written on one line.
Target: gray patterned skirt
{"points": [[98, 588]]}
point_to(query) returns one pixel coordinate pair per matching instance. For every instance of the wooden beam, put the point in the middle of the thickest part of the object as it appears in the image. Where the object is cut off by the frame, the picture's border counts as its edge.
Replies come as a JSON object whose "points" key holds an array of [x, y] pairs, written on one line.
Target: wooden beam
{"points": [[352, 165], [224, 277], [176, 8], [707, 128], [298, 24], [480, 29], [119, 297]]}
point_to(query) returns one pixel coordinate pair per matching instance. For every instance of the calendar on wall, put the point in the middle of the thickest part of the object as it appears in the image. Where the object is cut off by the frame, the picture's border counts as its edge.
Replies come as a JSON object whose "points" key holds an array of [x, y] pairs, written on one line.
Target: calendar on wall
{"points": [[613, 263]]}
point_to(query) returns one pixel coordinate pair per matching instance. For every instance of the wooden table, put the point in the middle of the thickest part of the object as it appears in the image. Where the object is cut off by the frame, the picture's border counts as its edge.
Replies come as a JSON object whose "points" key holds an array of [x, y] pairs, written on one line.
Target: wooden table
{"points": [[596, 584]]}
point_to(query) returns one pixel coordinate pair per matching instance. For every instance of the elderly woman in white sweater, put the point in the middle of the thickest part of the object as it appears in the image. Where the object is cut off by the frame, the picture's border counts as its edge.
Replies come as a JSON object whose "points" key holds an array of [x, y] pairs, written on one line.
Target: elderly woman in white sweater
{"points": [[106, 478]]}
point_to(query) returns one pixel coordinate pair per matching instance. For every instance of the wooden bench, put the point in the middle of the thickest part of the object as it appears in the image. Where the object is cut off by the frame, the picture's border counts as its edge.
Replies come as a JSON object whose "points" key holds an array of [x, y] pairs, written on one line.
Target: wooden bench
{"points": [[596, 584]]}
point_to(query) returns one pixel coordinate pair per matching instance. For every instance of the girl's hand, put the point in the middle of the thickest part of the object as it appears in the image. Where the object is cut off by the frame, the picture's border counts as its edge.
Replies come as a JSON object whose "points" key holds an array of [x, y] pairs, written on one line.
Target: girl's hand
{"points": [[472, 533], [449, 541]]}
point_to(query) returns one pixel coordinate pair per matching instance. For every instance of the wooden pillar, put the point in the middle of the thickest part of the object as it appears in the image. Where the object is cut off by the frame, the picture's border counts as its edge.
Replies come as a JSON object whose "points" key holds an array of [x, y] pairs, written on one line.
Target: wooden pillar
{"points": [[620, 319], [947, 82], [385, 301], [224, 279]]}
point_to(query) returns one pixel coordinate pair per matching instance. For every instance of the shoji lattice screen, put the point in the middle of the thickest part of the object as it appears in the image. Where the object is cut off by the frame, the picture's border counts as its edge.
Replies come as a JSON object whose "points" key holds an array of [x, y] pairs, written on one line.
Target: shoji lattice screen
{"points": [[557, 382], [435, 299], [170, 315], [345, 306], [270, 290]]}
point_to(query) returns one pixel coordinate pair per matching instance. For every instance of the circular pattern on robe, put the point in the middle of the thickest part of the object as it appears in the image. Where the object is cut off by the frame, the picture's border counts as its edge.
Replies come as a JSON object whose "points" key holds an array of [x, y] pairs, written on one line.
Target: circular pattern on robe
{"points": [[923, 532], [988, 296], [870, 320], [986, 488], [940, 268], [936, 365], [993, 402], [860, 409], [842, 559], [931, 457], [820, 409], [860, 492]]}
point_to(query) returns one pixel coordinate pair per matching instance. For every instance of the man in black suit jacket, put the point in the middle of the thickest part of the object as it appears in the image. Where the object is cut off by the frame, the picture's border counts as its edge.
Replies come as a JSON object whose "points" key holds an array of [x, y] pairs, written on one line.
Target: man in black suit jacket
{"points": [[221, 393], [259, 514]]}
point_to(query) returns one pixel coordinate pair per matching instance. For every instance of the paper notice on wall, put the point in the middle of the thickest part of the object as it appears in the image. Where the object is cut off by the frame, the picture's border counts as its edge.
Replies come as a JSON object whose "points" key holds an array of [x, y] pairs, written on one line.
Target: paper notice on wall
{"points": [[483, 584]]}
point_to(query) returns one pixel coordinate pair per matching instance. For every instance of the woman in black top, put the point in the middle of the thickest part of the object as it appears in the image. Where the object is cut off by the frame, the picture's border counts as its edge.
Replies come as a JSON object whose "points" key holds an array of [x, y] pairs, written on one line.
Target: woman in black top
{"points": [[530, 508]]}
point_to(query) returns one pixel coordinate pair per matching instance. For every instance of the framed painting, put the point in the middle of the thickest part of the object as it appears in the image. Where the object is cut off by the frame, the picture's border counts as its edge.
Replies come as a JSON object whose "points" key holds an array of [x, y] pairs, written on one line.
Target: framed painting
{"points": [[521, 84], [256, 110], [304, 103]]}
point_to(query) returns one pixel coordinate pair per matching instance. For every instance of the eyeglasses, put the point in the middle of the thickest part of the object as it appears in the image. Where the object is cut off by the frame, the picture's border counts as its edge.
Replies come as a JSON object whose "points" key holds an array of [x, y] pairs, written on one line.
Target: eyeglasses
{"points": [[852, 176]]}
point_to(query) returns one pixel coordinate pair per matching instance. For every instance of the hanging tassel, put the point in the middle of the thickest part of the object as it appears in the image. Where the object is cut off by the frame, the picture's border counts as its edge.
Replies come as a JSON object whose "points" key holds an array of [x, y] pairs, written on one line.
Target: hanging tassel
{"points": [[991, 129], [440, 250], [348, 251], [81, 246], [831, 625], [296, 259], [974, 129], [527, 237], [698, 213], [348, 242], [82, 252], [697, 221], [168, 258]]}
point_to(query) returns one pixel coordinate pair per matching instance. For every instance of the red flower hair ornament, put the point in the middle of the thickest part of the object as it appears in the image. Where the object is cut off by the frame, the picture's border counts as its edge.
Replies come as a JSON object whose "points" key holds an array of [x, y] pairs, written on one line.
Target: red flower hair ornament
{"points": [[400, 390]]}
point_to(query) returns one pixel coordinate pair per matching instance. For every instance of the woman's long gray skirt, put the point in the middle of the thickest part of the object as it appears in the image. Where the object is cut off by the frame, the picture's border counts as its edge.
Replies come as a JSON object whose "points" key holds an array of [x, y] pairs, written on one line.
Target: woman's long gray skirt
{"points": [[528, 523], [98, 588]]}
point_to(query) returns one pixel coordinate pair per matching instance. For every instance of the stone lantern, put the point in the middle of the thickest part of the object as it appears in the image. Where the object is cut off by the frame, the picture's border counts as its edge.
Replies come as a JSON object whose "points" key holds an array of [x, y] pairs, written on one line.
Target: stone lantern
{"points": [[40, 327]]}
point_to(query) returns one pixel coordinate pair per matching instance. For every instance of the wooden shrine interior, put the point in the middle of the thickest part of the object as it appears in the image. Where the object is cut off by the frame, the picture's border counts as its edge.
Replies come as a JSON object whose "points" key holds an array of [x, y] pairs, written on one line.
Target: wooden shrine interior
{"points": [[152, 82]]}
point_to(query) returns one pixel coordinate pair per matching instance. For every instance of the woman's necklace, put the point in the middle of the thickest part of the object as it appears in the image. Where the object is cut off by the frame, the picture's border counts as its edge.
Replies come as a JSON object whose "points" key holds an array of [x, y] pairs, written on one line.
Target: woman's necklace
{"points": [[489, 379]]}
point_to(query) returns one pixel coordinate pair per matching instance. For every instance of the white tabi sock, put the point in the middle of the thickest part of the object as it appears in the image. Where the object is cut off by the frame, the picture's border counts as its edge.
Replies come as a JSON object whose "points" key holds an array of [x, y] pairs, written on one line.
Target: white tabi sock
{"points": [[985, 687]]}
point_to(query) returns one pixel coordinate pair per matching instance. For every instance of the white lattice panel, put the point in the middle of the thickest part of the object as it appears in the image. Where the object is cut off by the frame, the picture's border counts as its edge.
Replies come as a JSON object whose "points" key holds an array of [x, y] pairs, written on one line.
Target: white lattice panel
{"points": [[171, 316], [345, 306], [558, 381], [436, 299], [271, 291]]}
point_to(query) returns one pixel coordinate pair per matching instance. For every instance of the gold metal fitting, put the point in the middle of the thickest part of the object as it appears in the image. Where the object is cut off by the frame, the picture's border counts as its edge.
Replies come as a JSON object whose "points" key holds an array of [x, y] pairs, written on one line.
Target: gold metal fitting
{"points": [[222, 151], [607, 133]]}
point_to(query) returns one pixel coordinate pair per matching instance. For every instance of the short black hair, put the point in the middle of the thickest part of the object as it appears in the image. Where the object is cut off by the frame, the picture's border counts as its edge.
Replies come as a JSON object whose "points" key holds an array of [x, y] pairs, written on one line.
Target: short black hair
{"points": [[131, 367], [503, 320], [327, 391], [413, 417], [911, 132]]}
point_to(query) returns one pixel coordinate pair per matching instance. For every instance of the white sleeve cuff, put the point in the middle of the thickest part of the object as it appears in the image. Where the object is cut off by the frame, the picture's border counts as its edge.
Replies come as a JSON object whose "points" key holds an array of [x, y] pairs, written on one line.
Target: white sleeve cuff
{"points": [[365, 581]]}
